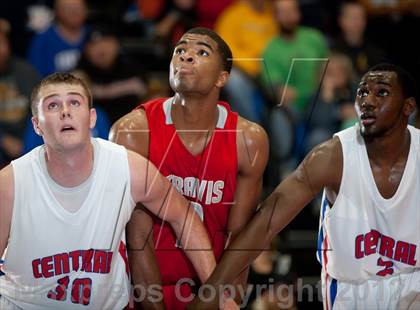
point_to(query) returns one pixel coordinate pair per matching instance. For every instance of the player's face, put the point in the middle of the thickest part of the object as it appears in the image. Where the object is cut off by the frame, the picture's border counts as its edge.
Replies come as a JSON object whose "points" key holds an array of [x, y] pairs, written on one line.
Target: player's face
{"points": [[196, 65], [64, 118], [379, 104]]}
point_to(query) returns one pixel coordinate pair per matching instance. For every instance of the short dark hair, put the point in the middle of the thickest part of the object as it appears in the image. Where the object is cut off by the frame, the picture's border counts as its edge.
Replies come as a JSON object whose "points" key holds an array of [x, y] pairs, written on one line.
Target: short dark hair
{"points": [[405, 79], [58, 78], [348, 3], [224, 49]]}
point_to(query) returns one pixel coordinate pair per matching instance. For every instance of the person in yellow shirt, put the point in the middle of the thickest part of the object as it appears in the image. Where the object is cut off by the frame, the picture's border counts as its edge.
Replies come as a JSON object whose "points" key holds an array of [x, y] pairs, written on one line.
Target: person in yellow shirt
{"points": [[247, 26]]}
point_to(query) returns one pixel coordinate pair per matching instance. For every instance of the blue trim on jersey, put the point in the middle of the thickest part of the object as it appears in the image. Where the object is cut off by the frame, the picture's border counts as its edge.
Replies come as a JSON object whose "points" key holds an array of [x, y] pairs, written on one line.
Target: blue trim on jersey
{"points": [[320, 239], [321, 232], [333, 291], [1, 272]]}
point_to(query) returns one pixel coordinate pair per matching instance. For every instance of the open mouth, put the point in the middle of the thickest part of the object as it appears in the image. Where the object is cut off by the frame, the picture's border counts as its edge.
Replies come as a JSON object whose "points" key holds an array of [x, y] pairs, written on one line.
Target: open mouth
{"points": [[67, 128], [367, 118], [183, 70]]}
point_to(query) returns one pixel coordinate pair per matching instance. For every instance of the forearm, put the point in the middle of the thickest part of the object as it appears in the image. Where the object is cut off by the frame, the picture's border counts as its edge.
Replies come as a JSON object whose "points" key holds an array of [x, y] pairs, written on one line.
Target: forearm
{"points": [[241, 285], [196, 244], [146, 278], [144, 269]]}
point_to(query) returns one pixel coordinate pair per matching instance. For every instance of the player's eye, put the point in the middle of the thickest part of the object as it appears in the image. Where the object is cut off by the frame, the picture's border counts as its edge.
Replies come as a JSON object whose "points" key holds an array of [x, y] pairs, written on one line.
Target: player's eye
{"points": [[203, 53], [383, 92], [361, 92], [75, 103], [52, 105], [179, 51]]}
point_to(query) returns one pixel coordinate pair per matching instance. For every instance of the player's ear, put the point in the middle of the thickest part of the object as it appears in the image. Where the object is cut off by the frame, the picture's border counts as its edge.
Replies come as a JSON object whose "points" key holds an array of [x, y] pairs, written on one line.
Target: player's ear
{"points": [[222, 79], [409, 106], [35, 124], [92, 116]]}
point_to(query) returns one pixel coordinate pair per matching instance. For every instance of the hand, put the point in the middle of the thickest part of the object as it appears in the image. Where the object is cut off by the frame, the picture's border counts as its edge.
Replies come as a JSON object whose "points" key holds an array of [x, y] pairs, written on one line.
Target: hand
{"points": [[230, 304]]}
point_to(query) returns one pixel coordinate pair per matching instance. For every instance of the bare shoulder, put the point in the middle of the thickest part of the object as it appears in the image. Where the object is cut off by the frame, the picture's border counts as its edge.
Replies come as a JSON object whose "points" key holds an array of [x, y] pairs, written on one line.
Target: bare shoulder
{"points": [[131, 131], [252, 143], [328, 152], [324, 164], [252, 132], [6, 185], [135, 120]]}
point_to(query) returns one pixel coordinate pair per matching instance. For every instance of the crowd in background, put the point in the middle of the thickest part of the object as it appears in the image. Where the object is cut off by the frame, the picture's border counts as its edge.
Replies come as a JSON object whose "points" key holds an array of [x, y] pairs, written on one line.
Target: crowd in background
{"points": [[296, 68]]}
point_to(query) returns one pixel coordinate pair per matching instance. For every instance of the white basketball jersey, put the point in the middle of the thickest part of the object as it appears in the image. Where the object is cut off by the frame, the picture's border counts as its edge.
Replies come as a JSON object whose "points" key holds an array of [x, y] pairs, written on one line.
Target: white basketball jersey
{"points": [[367, 245], [56, 259], [363, 235]]}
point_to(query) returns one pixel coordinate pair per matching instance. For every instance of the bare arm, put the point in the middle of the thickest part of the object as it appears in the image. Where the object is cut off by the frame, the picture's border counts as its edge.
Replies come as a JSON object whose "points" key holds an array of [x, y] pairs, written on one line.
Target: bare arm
{"points": [[321, 168], [152, 189], [132, 131], [6, 205], [144, 269], [252, 150]]}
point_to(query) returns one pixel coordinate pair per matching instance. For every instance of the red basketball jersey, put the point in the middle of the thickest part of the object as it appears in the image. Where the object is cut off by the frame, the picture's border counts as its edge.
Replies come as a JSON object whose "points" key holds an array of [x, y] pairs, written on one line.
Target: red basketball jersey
{"points": [[207, 179]]}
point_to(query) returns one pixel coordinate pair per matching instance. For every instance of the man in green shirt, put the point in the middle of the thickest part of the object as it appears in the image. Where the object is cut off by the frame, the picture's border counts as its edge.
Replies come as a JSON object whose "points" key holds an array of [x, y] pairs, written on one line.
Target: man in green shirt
{"points": [[298, 50]]}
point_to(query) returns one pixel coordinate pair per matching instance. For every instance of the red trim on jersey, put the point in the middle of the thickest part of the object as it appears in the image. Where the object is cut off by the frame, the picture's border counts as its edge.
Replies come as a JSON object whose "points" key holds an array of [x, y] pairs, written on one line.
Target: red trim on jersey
{"points": [[324, 265], [123, 252]]}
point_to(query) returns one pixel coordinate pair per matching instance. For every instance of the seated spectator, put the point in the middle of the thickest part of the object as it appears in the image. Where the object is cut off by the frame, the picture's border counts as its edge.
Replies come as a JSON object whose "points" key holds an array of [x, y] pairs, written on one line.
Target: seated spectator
{"points": [[384, 7], [171, 18], [246, 26], [116, 84], [352, 42], [59, 47], [17, 78], [209, 11], [293, 58], [270, 269], [333, 110]]}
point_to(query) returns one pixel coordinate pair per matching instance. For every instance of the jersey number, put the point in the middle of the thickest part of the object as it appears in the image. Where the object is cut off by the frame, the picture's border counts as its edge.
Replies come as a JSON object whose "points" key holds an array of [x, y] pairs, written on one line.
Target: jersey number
{"points": [[388, 270], [80, 290]]}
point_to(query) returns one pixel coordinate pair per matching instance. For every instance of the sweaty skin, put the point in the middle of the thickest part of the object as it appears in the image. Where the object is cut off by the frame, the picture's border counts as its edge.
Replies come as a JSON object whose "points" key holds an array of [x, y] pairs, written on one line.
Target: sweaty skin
{"points": [[196, 76], [383, 117]]}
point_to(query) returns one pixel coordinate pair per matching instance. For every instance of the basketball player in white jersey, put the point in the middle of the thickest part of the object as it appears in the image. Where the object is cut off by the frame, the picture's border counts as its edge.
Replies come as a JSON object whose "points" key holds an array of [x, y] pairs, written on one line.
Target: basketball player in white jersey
{"points": [[370, 217], [64, 207]]}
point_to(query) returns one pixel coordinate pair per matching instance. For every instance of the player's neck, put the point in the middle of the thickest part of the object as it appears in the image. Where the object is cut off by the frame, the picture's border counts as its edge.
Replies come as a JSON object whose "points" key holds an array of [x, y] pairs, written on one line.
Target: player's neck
{"points": [[193, 112], [388, 149], [70, 168]]}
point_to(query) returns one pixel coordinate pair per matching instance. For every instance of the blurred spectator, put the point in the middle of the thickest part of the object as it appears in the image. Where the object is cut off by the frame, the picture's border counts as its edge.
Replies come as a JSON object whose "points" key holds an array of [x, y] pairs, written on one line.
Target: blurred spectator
{"points": [[209, 11], [307, 45], [282, 297], [383, 7], [334, 109], [17, 78], [246, 26], [268, 270], [171, 17], [59, 47], [16, 13], [352, 42], [117, 87], [293, 60]]}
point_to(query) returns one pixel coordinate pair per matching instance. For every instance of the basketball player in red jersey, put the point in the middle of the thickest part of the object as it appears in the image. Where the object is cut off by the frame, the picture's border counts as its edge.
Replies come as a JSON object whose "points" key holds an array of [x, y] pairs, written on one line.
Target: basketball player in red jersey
{"points": [[211, 155]]}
